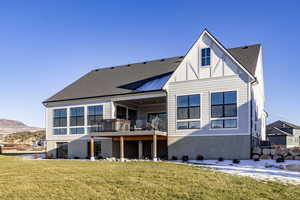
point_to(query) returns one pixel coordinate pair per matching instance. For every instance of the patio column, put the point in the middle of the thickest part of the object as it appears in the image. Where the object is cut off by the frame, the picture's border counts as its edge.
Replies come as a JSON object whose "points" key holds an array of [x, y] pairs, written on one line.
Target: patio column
{"points": [[121, 148], [140, 149], [92, 158], [154, 148]]}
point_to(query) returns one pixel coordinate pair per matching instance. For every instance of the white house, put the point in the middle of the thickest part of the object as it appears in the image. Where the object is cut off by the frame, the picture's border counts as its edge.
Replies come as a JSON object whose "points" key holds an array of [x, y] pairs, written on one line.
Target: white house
{"points": [[209, 102]]}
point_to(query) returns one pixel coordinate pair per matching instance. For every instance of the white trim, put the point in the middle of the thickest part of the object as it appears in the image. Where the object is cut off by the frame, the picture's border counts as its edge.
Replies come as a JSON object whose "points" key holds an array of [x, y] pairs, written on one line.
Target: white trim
{"points": [[146, 96]]}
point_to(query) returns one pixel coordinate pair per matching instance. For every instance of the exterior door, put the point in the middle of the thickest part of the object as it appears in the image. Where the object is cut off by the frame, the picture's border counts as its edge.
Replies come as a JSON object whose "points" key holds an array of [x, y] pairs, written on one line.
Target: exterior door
{"points": [[132, 116], [62, 150], [97, 149]]}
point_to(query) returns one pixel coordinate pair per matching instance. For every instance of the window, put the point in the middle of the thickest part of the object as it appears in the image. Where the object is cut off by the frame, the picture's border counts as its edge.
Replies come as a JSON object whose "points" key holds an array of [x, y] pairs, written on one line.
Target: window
{"points": [[77, 130], [205, 57], [188, 107], [121, 112], [60, 131], [224, 105], [226, 123], [60, 118], [95, 114], [77, 116]]}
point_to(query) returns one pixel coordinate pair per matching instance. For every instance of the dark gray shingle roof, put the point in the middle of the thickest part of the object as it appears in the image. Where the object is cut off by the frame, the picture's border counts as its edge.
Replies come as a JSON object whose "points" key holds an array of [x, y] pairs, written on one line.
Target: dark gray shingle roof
{"points": [[115, 80]]}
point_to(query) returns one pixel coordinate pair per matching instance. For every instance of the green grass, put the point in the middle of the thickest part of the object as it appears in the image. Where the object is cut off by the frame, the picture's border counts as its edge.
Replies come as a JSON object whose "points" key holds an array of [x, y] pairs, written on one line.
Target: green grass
{"points": [[25, 179]]}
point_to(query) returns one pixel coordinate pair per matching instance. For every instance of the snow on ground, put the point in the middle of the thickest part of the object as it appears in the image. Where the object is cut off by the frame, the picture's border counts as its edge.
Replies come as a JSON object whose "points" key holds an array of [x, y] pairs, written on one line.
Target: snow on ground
{"points": [[254, 169]]}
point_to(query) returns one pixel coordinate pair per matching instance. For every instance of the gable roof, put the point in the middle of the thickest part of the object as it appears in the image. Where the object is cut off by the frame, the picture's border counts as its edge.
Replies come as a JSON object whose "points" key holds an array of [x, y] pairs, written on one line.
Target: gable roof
{"points": [[126, 79], [281, 124]]}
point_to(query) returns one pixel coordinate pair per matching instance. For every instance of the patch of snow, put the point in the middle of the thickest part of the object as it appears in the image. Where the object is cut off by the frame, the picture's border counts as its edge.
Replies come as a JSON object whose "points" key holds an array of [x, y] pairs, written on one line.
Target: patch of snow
{"points": [[259, 170]]}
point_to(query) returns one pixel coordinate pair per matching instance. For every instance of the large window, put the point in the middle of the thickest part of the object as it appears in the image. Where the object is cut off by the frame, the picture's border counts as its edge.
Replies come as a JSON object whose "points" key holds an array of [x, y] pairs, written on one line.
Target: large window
{"points": [[205, 57], [224, 106], [188, 112], [77, 116], [59, 131], [60, 117], [95, 114]]}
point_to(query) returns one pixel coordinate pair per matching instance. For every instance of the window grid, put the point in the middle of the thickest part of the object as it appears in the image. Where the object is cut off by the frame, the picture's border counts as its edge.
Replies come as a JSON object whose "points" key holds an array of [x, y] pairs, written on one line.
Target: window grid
{"points": [[95, 114], [205, 56], [188, 114], [60, 117], [77, 116]]}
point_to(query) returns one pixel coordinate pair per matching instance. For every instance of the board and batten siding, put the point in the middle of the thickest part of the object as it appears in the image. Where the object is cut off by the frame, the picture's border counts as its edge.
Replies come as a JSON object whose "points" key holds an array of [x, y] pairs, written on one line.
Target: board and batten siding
{"points": [[205, 87]]}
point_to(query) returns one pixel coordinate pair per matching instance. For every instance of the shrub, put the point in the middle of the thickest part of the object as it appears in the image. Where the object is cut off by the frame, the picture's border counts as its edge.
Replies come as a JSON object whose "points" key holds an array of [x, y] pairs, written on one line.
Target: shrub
{"points": [[236, 161], [200, 157], [256, 159], [221, 159], [185, 158], [280, 159], [174, 158], [76, 157], [100, 157]]}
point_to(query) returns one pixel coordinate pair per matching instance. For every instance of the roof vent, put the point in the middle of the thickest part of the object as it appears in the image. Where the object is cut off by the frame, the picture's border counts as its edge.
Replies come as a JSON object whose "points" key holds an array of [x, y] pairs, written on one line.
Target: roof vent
{"points": [[162, 60], [128, 65], [181, 57], [96, 70], [112, 67], [144, 62], [245, 47]]}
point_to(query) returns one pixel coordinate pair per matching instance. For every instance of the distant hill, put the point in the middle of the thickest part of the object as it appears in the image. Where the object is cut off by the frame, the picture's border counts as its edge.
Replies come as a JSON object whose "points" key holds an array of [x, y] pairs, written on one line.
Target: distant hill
{"points": [[12, 126]]}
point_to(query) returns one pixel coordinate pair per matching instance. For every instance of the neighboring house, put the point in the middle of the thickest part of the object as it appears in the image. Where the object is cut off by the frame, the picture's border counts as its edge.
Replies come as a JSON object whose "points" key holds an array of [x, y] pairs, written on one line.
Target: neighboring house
{"points": [[284, 134], [209, 102]]}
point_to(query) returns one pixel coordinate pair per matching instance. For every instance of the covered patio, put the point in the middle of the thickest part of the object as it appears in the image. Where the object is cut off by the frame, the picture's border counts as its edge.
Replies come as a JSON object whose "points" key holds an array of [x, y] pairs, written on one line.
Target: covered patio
{"points": [[142, 138]]}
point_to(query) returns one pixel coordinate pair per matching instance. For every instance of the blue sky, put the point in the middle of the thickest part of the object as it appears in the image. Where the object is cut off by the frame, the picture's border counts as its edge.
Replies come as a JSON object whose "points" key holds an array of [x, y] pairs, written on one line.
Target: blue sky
{"points": [[46, 45]]}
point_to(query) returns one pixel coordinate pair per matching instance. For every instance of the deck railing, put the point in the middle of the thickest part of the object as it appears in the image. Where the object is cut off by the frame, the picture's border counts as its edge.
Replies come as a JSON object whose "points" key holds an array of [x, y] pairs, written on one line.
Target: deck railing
{"points": [[119, 125]]}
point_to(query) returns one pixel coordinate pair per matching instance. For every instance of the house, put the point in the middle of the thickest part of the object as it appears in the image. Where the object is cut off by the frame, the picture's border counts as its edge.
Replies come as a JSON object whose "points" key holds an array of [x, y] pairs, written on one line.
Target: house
{"points": [[209, 102], [283, 134]]}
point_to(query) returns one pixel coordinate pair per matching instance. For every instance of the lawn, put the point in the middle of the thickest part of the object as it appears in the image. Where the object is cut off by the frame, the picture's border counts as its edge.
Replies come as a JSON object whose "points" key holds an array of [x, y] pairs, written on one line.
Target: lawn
{"points": [[53, 179]]}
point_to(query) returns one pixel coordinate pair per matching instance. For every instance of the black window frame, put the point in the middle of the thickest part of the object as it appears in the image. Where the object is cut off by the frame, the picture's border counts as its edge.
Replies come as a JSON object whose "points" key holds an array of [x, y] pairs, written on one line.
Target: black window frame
{"points": [[205, 57], [78, 118], [77, 132], [60, 120], [188, 107], [223, 105], [92, 118], [223, 123]]}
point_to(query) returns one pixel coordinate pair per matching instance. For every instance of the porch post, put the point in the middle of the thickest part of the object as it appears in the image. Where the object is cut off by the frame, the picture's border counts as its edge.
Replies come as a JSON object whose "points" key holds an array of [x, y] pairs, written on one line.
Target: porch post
{"points": [[92, 158], [154, 148], [121, 148], [140, 149]]}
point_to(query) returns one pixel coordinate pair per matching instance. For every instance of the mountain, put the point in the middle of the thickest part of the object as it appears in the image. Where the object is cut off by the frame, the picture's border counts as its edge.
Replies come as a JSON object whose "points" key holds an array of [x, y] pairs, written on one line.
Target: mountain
{"points": [[12, 126]]}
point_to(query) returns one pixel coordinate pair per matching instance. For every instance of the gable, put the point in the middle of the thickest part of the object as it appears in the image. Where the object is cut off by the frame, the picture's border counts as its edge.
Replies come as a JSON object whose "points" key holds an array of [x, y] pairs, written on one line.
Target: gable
{"points": [[222, 63]]}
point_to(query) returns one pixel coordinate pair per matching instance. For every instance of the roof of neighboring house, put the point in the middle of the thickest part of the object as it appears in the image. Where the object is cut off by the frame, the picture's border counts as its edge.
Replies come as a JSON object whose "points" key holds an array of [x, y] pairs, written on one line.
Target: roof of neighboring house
{"points": [[283, 124], [126, 79]]}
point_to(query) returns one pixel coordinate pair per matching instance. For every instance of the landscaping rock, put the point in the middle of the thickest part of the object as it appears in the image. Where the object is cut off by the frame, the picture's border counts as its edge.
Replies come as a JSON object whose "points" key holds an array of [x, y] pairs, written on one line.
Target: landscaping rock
{"points": [[257, 150], [289, 158], [293, 167], [273, 152], [276, 157], [296, 157], [293, 152], [266, 151], [283, 152], [265, 157]]}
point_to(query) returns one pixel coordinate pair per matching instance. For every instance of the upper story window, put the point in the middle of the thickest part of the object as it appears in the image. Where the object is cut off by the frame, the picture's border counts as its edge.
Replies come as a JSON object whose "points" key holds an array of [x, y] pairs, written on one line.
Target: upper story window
{"points": [[60, 117], [77, 116], [188, 107], [205, 56], [224, 105], [95, 114]]}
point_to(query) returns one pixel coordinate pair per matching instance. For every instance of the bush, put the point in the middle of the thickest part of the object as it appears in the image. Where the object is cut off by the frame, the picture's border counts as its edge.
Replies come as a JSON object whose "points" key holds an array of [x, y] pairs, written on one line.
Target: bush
{"points": [[280, 159], [100, 157], [200, 157], [185, 158], [174, 158], [256, 159], [221, 159], [76, 157], [236, 161]]}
